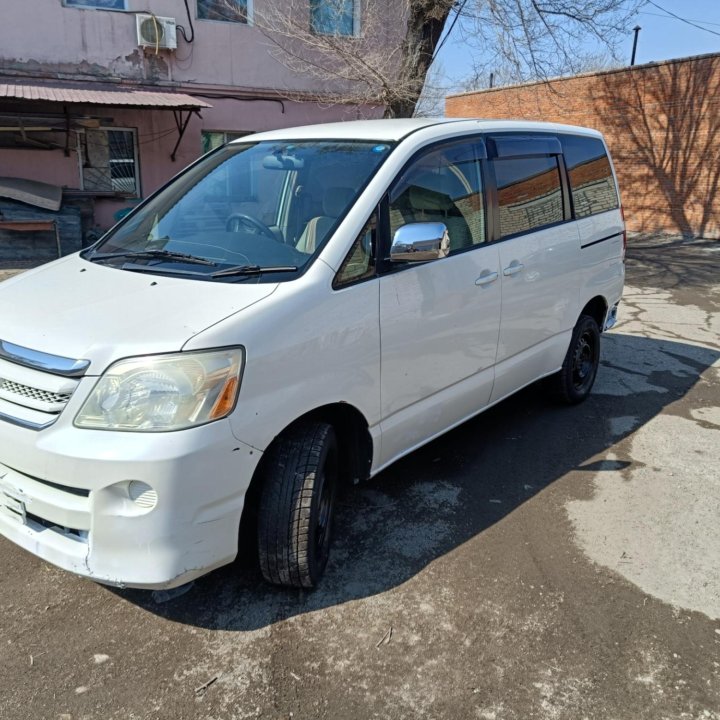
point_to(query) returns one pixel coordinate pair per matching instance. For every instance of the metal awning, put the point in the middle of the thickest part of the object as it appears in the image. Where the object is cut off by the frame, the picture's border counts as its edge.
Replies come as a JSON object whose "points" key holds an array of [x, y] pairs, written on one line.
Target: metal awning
{"points": [[113, 96], [109, 96]]}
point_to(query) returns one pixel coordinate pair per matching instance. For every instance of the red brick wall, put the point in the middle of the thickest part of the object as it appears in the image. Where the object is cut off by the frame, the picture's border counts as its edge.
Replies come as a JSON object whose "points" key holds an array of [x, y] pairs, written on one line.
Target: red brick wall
{"points": [[662, 125]]}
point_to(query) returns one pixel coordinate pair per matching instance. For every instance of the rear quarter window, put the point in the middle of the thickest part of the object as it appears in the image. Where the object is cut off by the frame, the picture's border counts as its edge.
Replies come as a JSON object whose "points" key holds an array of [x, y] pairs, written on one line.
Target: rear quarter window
{"points": [[591, 179]]}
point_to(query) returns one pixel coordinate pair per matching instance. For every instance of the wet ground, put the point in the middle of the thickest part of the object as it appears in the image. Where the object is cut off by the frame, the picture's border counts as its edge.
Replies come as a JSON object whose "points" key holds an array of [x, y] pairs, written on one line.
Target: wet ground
{"points": [[539, 562]]}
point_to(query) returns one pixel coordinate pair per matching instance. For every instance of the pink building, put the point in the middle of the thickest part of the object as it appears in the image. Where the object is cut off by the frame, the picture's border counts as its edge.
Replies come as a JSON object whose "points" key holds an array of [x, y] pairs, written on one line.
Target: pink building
{"points": [[108, 99]]}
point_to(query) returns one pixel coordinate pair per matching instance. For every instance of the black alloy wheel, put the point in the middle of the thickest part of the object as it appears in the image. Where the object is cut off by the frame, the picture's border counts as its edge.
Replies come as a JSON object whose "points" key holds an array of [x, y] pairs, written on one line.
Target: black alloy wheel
{"points": [[573, 383]]}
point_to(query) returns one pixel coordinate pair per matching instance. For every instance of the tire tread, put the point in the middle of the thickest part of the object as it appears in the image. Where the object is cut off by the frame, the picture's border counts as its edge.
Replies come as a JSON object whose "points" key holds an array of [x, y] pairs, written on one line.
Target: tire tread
{"points": [[284, 514]]}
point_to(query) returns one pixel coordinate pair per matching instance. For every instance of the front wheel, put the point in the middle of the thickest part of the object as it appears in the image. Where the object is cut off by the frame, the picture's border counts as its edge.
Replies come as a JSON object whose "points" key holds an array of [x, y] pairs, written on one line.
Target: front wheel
{"points": [[299, 484], [572, 384]]}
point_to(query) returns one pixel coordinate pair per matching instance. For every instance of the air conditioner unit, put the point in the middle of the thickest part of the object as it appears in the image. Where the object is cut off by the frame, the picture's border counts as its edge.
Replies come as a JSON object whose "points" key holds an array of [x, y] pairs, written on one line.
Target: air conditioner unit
{"points": [[156, 32]]}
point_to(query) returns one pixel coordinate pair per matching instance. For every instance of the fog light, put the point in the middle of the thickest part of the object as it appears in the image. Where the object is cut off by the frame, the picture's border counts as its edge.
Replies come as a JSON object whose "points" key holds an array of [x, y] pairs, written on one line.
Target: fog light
{"points": [[142, 494]]}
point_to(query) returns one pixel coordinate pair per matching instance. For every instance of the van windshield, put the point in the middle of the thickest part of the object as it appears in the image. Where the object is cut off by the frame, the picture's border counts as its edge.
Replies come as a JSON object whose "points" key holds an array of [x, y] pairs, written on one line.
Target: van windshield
{"points": [[248, 210]]}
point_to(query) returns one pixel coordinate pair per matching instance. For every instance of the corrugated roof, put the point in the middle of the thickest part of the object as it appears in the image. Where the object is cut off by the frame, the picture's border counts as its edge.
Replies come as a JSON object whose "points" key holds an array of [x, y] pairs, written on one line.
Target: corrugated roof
{"points": [[125, 97]]}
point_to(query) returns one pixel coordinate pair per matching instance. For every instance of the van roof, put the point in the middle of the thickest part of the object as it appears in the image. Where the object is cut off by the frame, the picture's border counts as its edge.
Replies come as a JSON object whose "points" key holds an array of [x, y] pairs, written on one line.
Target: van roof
{"points": [[397, 129]]}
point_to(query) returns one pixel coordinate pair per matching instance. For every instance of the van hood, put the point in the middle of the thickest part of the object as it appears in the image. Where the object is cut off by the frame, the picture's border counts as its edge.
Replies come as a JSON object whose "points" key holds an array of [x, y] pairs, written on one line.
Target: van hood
{"points": [[82, 310]]}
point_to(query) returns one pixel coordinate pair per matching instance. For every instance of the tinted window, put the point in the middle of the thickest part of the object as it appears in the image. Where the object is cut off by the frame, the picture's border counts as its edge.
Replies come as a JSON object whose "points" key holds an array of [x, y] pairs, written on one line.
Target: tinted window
{"points": [[443, 186], [591, 179], [529, 193]]}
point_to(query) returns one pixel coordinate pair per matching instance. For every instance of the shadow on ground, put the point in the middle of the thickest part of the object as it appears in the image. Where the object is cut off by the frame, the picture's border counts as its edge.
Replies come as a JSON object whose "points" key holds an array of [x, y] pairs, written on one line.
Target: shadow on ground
{"points": [[671, 266], [426, 505]]}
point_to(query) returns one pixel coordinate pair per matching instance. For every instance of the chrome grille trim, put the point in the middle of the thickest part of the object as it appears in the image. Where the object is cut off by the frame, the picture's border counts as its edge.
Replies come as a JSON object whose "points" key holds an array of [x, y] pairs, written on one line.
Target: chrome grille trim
{"points": [[32, 395], [9, 388], [26, 423], [56, 364]]}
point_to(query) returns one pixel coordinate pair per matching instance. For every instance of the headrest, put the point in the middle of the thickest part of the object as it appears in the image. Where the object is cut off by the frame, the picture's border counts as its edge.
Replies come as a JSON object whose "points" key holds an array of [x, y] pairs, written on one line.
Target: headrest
{"points": [[335, 200], [429, 200]]}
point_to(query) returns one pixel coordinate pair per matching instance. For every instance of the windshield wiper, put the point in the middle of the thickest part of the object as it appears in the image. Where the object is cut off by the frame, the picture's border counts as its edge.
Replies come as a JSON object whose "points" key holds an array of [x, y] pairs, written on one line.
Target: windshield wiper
{"points": [[252, 270], [155, 254]]}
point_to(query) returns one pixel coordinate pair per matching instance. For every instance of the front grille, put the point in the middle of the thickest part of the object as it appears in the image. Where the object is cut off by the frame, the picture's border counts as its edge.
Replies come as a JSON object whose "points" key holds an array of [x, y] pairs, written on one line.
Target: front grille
{"points": [[72, 533], [32, 397], [31, 393]]}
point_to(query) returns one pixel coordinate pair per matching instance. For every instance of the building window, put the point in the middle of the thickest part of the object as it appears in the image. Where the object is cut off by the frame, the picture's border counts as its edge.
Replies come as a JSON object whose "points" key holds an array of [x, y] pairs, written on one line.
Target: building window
{"points": [[529, 193], [109, 161], [334, 17], [223, 10], [212, 139], [97, 4]]}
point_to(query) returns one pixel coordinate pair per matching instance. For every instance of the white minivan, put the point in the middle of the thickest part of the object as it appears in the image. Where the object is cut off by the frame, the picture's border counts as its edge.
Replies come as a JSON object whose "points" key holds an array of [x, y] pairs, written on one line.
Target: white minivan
{"points": [[295, 310]]}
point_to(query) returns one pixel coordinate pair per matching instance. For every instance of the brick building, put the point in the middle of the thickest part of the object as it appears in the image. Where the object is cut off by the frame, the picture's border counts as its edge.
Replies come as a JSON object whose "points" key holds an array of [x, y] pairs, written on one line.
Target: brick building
{"points": [[661, 122]]}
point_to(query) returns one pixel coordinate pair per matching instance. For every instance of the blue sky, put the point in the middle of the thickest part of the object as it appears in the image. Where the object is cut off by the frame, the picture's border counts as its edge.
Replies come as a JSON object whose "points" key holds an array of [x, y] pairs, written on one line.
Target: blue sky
{"points": [[661, 38]]}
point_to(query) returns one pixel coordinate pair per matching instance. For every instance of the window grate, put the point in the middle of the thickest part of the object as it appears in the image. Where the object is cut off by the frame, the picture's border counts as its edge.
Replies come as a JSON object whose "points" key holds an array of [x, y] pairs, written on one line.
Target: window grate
{"points": [[110, 161]]}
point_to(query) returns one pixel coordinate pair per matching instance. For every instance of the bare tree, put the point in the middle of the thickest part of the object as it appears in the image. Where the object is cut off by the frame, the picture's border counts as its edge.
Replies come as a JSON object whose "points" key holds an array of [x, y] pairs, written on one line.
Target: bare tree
{"points": [[504, 73], [372, 52], [524, 40], [379, 53]]}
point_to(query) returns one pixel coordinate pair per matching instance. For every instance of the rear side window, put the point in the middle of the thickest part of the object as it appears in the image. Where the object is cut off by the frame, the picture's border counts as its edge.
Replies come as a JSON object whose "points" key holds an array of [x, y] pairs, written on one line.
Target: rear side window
{"points": [[591, 178], [529, 193]]}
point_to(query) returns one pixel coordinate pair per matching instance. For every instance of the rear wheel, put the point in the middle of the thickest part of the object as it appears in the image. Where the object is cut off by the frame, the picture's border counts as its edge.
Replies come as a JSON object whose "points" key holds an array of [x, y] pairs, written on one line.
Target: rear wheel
{"points": [[299, 485], [572, 384]]}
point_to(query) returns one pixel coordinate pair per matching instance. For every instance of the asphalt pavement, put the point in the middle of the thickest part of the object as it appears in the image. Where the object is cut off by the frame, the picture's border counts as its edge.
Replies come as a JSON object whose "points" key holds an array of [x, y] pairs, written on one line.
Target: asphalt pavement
{"points": [[539, 562]]}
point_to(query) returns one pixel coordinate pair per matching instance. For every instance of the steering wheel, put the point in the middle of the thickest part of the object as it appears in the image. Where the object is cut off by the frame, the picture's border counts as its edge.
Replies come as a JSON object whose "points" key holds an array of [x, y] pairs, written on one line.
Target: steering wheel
{"points": [[235, 220]]}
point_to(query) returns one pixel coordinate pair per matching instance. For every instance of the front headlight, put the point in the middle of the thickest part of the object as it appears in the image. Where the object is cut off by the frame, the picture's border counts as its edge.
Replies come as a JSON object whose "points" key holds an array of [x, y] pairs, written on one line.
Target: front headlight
{"points": [[164, 392]]}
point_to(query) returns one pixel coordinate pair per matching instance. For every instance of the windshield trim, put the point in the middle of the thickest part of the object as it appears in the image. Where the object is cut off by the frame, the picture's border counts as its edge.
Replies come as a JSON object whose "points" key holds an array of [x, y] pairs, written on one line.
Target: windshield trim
{"points": [[88, 253]]}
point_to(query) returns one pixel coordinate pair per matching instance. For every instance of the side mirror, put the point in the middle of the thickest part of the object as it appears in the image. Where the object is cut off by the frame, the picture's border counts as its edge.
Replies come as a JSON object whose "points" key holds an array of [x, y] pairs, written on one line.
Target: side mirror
{"points": [[420, 242]]}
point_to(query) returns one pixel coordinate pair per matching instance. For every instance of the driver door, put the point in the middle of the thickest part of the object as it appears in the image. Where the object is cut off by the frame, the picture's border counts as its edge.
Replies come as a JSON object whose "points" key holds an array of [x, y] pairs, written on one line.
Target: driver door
{"points": [[439, 320]]}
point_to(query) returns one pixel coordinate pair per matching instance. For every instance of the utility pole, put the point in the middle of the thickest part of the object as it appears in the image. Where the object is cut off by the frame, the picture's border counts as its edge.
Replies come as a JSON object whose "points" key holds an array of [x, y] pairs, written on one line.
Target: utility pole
{"points": [[636, 30]]}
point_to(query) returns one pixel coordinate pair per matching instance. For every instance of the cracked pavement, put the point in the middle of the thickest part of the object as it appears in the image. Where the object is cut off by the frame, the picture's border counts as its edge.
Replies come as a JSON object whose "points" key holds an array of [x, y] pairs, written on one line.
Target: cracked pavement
{"points": [[539, 562]]}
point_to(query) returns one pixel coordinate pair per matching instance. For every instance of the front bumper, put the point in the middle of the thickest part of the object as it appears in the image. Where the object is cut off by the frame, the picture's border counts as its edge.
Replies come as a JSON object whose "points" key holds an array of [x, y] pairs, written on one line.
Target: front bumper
{"points": [[64, 496]]}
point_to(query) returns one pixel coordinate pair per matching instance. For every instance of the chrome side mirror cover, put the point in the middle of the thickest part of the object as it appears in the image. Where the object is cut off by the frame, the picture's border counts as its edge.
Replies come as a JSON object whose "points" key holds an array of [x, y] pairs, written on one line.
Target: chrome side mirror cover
{"points": [[420, 242]]}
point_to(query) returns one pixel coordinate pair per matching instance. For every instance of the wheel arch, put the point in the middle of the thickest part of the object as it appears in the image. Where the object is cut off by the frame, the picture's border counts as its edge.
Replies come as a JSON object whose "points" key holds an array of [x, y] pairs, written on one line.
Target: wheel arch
{"points": [[356, 453], [597, 309]]}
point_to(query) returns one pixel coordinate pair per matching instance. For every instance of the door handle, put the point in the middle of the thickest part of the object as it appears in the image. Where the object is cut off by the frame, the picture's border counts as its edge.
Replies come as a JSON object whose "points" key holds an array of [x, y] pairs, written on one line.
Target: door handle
{"points": [[513, 269], [486, 278]]}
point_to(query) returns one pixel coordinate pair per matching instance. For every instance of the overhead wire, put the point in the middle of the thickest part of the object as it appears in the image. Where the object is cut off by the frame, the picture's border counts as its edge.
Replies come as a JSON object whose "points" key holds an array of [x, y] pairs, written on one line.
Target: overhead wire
{"points": [[450, 29], [682, 19], [701, 22]]}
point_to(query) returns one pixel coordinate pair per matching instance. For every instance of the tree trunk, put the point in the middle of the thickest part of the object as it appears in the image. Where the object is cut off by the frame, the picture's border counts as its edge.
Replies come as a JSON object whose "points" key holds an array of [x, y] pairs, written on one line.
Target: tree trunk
{"points": [[425, 25]]}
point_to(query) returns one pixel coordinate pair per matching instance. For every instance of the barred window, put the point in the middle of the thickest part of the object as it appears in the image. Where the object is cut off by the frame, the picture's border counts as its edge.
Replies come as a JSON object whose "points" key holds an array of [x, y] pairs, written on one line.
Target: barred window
{"points": [[109, 161]]}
